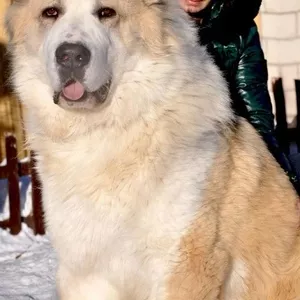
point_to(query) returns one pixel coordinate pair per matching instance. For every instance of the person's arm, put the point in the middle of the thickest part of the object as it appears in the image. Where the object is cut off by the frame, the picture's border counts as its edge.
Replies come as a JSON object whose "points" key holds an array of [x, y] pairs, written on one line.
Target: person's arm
{"points": [[251, 87], [251, 83]]}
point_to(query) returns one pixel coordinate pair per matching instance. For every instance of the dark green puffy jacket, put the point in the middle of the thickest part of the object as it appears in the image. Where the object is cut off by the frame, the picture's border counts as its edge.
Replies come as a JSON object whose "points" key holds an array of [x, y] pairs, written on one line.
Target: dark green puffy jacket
{"points": [[228, 29]]}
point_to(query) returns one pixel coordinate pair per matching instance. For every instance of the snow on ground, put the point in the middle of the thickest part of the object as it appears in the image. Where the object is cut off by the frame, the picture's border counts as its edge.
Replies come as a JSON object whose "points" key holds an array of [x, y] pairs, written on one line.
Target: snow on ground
{"points": [[27, 266], [27, 262], [25, 195]]}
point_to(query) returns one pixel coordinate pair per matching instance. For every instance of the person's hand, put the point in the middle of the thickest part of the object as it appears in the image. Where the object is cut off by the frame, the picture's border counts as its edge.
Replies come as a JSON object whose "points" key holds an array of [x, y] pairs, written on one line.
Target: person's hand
{"points": [[193, 6]]}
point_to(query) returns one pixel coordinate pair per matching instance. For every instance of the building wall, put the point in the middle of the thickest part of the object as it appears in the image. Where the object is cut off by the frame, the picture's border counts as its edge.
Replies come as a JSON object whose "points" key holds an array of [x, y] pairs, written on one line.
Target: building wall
{"points": [[280, 36]]}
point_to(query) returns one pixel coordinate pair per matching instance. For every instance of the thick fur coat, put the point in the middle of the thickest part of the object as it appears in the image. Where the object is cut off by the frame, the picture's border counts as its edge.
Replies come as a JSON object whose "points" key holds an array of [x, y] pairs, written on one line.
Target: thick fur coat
{"points": [[152, 188]]}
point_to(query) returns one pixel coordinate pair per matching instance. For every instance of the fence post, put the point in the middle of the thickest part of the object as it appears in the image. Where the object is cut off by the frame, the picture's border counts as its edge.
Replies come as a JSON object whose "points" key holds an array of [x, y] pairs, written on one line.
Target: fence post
{"points": [[37, 207], [297, 87], [281, 126], [13, 185]]}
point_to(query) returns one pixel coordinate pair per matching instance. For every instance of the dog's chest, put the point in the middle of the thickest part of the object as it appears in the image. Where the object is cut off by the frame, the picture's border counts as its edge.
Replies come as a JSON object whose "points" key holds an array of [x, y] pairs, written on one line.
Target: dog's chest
{"points": [[123, 222], [128, 237]]}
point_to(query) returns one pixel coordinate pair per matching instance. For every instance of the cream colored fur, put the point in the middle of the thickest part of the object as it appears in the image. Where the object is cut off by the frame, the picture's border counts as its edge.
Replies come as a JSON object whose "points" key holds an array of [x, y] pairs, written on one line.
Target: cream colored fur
{"points": [[159, 193]]}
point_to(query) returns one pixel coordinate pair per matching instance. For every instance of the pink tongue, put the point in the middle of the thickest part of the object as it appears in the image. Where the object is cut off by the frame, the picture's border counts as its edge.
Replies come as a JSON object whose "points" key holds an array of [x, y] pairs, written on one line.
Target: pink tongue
{"points": [[74, 91]]}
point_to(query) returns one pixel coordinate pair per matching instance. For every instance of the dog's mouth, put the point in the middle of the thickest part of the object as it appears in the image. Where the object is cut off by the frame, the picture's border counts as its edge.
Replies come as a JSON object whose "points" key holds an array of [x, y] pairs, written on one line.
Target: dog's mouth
{"points": [[73, 91], [74, 95]]}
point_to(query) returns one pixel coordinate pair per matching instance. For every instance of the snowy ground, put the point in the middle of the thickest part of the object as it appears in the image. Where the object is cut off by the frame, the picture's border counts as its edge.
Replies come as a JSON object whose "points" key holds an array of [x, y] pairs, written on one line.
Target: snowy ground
{"points": [[27, 266], [27, 262], [25, 195]]}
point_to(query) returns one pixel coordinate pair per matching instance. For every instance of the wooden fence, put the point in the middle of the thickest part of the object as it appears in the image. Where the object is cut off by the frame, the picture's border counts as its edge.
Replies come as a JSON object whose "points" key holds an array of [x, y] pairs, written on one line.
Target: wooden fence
{"points": [[286, 135], [13, 170]]}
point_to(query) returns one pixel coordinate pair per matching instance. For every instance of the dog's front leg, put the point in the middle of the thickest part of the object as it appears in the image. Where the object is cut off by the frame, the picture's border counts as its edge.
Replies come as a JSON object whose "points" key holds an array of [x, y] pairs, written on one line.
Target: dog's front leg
{"points": [[198, 274], [80, 287]]}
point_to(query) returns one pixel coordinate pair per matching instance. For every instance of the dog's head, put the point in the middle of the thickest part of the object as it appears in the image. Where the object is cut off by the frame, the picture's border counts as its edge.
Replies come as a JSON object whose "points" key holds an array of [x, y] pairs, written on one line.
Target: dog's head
{"points": [[80, 55]]}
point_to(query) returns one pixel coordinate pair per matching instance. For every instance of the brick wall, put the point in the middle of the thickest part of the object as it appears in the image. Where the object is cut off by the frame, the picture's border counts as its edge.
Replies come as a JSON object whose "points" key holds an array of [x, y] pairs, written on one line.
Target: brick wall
{"points": [[280, 37]]}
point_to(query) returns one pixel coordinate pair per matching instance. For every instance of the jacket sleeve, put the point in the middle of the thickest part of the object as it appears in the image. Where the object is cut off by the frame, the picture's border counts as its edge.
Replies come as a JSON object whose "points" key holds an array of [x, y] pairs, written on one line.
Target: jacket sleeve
{"points": [[251, 83]]}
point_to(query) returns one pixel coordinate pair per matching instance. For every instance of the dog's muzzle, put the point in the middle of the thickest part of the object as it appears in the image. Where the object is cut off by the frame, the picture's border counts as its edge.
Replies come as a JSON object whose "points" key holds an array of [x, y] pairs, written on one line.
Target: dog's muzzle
{"points": [[72, 60]]}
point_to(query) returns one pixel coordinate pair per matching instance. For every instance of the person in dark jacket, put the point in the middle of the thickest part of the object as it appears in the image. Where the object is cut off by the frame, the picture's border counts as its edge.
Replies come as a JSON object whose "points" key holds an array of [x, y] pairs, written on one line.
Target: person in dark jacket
{"points": [[228, 29]]}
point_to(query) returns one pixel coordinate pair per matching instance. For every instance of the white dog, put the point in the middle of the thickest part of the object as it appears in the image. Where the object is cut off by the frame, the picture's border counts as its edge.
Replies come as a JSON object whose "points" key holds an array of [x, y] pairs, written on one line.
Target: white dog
{"points": [[152, 188]]}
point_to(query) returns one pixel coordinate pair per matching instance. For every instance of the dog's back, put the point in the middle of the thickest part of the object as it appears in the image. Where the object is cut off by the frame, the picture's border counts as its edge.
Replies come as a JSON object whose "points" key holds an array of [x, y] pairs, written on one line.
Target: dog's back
{"points": [[246, 245]]}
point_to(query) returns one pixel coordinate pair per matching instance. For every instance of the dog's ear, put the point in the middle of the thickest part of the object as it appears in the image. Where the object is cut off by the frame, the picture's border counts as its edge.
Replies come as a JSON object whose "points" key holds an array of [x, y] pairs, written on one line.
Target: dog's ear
{"points": [[11, 15], [8, 20], [151, 27]]}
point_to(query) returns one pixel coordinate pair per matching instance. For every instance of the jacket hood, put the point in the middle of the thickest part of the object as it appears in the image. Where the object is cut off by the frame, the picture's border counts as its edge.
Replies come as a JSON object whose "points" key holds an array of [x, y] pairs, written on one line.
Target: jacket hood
{"points": [[230, 12], [237, 9]]}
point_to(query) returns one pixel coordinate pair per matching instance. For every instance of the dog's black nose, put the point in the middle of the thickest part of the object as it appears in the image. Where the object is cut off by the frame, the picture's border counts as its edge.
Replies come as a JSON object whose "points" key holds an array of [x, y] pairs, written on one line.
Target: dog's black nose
{"points": [[72, 56]]}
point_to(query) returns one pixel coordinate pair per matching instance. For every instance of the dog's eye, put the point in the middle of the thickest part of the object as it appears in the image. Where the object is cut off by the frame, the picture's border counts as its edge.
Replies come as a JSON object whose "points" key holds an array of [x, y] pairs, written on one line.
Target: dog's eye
{"points": [[106, 12], [51, 12]]}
